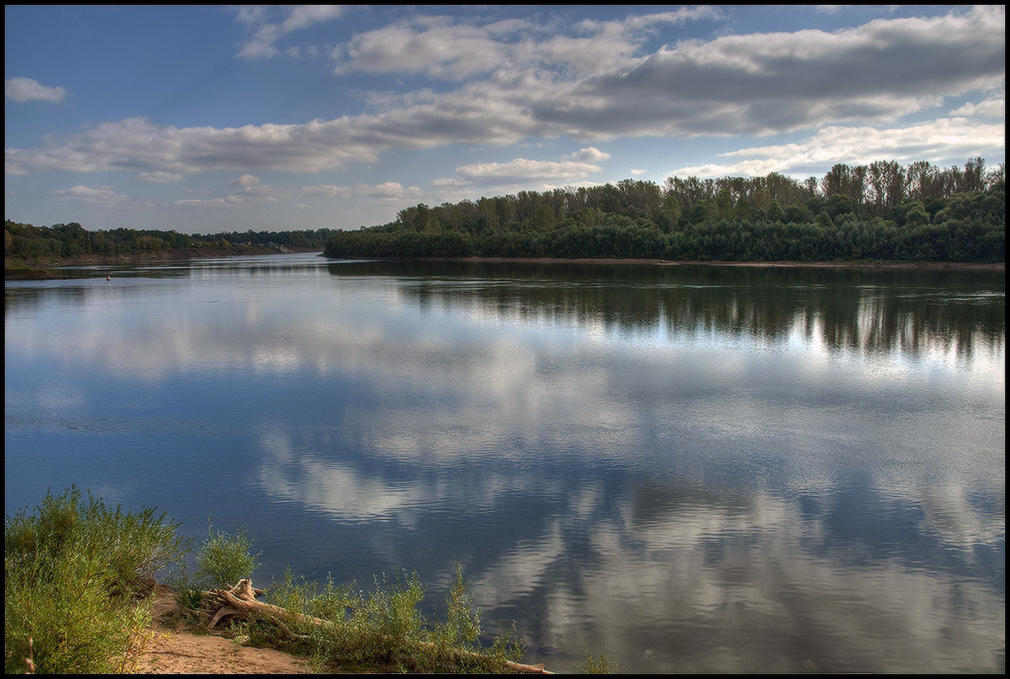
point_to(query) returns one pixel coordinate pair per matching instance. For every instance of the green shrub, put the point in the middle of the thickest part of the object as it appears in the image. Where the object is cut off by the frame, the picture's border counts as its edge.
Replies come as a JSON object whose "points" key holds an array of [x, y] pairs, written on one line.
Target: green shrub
{"points": [[71, 570], [224, 559]]}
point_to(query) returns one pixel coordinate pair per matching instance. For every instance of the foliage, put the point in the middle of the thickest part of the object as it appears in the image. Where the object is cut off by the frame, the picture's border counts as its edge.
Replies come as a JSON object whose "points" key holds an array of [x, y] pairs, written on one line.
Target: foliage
{"points": [[383, 630], [27, 242], [221, 561], [71, 570], [224, 559], [878, 212]]}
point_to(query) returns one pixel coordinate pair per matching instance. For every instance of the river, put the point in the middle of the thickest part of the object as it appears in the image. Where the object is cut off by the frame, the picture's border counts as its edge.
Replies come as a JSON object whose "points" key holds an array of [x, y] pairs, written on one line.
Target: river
{"points": [[699, 469]]}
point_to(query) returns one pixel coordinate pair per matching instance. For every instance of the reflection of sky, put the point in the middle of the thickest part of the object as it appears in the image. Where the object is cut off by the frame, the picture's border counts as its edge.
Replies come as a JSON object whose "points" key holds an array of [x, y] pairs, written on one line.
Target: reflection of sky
{"points": [[695, 498]]}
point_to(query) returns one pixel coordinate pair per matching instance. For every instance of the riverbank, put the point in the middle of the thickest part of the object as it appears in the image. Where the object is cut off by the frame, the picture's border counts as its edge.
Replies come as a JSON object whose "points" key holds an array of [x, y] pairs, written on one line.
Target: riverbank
{"points": [[967, 266], [20, 270], [173, 649]]}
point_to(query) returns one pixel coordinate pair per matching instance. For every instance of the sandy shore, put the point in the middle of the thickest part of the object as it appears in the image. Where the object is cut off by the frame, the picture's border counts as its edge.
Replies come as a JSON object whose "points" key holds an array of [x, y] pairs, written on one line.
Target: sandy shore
{"points": [[174, 650]]}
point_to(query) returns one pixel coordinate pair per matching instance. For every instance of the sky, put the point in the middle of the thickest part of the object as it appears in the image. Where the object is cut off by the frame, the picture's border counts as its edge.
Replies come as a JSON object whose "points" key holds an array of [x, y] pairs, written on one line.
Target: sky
{"points": [[209, 119]]}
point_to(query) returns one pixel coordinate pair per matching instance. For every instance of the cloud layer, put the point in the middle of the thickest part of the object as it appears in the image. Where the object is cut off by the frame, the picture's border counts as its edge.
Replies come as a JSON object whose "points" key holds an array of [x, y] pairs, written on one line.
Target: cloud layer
{"points": [[590, 86], [945, 137]]}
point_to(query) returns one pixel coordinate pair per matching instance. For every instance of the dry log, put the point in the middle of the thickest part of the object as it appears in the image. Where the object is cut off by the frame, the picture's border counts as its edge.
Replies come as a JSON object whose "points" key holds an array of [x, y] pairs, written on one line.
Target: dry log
{"points": [[240, 602]]}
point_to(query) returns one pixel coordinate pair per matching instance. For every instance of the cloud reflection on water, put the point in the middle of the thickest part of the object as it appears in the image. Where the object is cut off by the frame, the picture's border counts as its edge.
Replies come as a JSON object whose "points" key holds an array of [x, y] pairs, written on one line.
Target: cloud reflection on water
{"points": [[706, 478]]}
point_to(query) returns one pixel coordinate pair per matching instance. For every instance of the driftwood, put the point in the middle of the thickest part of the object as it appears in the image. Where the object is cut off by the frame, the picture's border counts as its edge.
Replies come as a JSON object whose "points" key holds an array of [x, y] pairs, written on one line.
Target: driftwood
{"points": [[240, 602]]}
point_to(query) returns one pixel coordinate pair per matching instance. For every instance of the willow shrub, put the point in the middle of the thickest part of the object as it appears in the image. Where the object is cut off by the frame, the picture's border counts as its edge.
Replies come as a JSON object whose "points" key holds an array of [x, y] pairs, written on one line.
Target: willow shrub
{"points": [[71, 570]]}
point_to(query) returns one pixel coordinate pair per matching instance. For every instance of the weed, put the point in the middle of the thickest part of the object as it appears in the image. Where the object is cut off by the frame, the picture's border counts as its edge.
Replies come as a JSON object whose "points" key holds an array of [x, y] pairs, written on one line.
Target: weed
{"points": [[604, 665]]}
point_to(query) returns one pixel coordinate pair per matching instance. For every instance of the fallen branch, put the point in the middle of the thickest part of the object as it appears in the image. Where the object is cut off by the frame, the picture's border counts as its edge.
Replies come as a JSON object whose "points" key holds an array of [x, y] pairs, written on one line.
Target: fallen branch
{"points": [[240, 602]]}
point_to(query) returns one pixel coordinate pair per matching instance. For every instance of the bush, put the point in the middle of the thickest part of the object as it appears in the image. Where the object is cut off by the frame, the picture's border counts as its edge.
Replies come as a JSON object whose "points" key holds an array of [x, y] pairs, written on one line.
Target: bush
{"points": [[71, 570], [224, 559]]}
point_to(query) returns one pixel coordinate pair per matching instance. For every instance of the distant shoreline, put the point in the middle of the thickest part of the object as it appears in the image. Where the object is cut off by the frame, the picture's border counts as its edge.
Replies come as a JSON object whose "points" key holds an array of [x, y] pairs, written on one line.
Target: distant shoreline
{"points": [[46, 272], [997, 266], [30, 270]]}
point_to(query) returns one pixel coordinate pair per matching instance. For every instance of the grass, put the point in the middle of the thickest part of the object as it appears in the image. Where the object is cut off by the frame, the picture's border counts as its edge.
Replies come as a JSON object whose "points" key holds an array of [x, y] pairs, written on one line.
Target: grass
{"points": [[592, 665]]}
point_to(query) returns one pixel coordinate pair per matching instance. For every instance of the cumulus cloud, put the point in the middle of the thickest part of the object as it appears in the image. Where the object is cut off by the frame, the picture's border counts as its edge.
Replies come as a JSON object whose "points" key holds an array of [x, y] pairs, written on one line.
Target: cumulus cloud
{"points": [[244, 181], [159, 177], [754, 84], [441, 47], [945, 138], [518, 171], [23, 90], [589, 154], [254, 193], [384, 191], [990, 108], [139, 144], [767, 83], [758, 83], [263, 43], [104, 196], [445, 51]]}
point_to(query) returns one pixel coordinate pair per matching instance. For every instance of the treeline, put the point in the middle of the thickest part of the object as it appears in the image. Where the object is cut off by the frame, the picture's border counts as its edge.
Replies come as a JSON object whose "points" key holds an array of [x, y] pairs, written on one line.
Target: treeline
{"points": [[67, 241], [883, 211]]}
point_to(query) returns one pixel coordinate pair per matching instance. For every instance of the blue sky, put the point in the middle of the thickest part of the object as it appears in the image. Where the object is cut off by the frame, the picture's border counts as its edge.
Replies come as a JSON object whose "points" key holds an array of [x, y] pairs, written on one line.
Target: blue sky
{"points": [[210, 119]]}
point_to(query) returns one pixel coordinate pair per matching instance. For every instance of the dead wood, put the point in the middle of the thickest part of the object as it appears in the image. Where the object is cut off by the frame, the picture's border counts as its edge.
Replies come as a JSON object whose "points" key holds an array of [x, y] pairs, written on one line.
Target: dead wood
{"points": [[240, 602]]}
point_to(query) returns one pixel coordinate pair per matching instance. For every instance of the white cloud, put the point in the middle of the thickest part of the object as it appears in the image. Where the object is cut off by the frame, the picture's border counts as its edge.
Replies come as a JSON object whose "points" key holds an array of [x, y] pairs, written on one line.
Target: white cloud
{"points": [[263, 43], [254, 193], [637, 173], [451, 52], [588, 154], [758, 83], [24, 90], [990, 108], [516, 171], [159, 177], [226, 202], [765, 83], [441, 48], [938, 141], [104, 196], [753, 84], [384, 191], [245, 181]]}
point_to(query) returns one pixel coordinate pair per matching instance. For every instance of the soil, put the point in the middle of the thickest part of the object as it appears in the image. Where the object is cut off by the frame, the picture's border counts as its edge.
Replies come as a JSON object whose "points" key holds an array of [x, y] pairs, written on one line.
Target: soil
{"points": [[174, 650]]}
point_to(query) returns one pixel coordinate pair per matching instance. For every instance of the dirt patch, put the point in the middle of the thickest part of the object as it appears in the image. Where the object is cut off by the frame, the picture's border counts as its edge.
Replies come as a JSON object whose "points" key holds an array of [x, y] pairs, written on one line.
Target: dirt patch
{"points": [[174, 650]]}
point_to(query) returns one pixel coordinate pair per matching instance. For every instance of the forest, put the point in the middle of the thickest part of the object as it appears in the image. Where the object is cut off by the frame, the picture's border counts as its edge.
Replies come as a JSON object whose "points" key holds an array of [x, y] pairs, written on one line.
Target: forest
{"points": [[61, 242], [878, 212]]}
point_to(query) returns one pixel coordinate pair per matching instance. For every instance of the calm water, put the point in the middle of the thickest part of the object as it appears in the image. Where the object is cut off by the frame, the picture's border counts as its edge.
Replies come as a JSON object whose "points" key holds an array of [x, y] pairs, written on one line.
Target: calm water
{"points": [[703, 469]]}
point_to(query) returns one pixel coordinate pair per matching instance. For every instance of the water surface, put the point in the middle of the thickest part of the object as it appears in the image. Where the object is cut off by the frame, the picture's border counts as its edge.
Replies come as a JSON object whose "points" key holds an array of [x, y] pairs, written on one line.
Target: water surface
{"points": [[699, 468]]}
